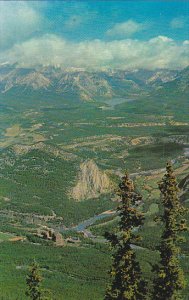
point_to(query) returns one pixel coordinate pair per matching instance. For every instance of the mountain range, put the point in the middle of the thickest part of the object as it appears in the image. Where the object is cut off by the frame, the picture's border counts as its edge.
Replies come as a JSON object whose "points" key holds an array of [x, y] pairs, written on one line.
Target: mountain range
{"points": [[90, 86]]}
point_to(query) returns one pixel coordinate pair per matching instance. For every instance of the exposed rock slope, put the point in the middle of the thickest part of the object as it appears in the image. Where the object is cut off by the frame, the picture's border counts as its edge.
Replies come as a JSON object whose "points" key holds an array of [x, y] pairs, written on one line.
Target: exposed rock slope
{"points": [[91, 182], [88, 86]]}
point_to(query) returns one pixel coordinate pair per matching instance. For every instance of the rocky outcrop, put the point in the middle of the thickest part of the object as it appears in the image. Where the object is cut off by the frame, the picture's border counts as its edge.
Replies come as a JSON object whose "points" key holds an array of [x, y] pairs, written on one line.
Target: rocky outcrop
{"points": [[59, 241], [50, 234], [24, 79], [91, 182]]}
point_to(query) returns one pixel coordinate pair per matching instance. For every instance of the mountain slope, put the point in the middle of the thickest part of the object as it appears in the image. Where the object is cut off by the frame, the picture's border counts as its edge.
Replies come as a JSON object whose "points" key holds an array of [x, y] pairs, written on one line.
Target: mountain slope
{"points": [[88, 86], [179, 85]]}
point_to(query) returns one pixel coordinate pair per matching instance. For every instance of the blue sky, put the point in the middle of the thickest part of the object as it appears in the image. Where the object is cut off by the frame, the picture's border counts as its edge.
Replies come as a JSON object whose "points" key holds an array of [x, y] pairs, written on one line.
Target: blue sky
{"points": [[95, 34], [99, 16]]}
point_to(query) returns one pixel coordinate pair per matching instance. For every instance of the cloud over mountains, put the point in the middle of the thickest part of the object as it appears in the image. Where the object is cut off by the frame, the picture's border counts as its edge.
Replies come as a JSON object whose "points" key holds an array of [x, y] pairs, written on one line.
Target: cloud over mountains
{"points": [[159, 52], [31, 37]]}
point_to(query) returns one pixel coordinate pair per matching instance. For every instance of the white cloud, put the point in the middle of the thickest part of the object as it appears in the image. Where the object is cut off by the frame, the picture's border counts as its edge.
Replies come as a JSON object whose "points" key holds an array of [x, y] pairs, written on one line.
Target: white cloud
{"points": [[159, 52], [18, 20], [125, 29], [178, 23]]}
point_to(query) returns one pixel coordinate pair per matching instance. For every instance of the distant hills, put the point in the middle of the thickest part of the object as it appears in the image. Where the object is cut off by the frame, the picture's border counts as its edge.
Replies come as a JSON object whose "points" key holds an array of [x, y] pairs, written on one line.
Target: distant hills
{"points": [[91, 86]]}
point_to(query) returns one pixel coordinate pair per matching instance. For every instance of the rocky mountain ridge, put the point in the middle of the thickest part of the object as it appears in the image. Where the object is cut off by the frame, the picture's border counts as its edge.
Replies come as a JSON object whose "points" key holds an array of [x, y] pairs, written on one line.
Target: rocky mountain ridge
{"points": [[85, 85]]}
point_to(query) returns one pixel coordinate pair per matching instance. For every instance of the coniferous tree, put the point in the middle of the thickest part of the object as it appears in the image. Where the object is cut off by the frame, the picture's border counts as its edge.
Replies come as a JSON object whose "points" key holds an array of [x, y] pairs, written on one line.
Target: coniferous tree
{"points": [[170, 278], [127, 283], [33, 281]]}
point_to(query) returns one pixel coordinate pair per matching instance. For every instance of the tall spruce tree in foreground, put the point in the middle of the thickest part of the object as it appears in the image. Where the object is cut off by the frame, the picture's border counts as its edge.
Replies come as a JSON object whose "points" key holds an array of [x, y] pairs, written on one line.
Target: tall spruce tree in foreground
{"points": [[170, 279], [127, 283]]}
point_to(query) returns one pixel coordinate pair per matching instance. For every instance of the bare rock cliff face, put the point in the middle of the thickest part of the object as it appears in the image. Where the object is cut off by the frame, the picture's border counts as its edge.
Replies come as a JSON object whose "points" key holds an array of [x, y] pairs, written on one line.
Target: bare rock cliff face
{"points": [[91, 182]]}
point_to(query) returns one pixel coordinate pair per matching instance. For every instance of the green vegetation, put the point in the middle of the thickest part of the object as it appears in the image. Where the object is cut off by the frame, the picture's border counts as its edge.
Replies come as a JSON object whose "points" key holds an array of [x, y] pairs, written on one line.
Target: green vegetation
{"points": [[39, 167], [58, 265], [5, 236], [108, 226], [33, 281], [69, 272], [170, 277], [158, 154], [152, 228], [127, 282]]}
